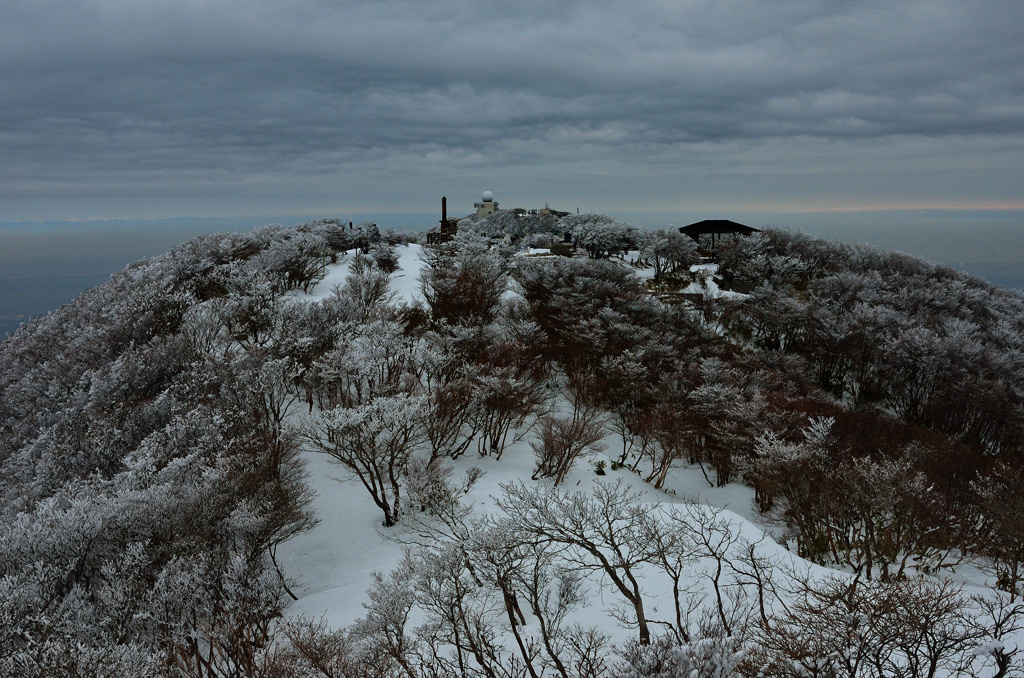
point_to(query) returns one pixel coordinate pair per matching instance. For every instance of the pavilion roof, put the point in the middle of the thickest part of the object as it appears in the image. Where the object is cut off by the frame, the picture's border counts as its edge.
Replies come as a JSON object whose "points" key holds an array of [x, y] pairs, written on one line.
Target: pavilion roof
{"points": [[717, 226]]}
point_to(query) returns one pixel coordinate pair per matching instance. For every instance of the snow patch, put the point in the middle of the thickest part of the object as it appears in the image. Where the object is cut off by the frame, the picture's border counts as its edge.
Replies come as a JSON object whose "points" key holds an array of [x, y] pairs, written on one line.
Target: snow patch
{"points": [[405, 282]]}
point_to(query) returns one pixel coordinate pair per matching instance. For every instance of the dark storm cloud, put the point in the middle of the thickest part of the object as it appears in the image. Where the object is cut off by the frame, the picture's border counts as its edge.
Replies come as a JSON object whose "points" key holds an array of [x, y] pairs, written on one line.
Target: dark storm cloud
{"points": [[193, 97]]}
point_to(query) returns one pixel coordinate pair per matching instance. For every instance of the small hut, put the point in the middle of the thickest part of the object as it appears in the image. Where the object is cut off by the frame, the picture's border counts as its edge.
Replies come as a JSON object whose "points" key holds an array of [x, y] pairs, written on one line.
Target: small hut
{"points": [[716, 229]]}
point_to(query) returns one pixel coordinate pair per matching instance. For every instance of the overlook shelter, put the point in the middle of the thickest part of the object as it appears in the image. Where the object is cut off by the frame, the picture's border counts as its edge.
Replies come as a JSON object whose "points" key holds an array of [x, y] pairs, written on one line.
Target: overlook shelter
{"points": [[715, 228]]}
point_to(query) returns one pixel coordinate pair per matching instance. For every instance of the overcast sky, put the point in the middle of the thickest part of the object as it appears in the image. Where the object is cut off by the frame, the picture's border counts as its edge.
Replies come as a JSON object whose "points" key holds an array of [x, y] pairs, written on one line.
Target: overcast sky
{"points": [[724, 108]]}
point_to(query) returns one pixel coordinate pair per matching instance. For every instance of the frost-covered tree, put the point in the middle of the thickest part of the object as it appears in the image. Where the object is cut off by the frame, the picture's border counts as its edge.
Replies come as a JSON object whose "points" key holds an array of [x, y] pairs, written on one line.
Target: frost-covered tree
{"points": [[560, 442], [507, 402], [604, 531], [600, 235], [373, 442], [668, 251], [369, 360], [365, 290], [464, 279], [877, 517], [904, 627], [1001, 546]]}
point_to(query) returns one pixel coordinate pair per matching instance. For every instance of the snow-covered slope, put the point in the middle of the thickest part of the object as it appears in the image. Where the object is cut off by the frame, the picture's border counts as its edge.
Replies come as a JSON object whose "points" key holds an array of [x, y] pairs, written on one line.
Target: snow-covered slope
{"points": [[330, 568]]}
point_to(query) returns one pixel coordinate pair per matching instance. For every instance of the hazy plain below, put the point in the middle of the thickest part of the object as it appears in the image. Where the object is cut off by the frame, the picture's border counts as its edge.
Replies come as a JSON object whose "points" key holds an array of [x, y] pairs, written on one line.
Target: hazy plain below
{"points": [[45, 265]]}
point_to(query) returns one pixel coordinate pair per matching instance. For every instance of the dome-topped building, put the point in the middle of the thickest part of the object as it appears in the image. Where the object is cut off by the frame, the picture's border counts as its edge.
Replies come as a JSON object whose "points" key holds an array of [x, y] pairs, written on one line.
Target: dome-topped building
{"points": [[487, 205]]}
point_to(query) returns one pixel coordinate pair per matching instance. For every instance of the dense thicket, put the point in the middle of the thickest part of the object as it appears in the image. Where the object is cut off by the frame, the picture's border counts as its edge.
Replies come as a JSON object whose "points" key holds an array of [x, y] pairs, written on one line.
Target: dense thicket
{"points": [[925, 365], [146, 480], [937, 347]]}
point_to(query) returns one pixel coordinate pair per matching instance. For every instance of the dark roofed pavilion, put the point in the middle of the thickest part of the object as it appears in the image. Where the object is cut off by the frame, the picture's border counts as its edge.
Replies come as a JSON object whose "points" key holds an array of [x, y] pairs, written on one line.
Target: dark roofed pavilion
{"points": [[716, 228]]}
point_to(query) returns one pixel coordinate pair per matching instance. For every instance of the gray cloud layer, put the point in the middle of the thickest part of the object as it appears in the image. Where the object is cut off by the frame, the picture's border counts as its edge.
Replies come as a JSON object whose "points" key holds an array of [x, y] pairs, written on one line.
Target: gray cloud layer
{"points": [[204, 99]]}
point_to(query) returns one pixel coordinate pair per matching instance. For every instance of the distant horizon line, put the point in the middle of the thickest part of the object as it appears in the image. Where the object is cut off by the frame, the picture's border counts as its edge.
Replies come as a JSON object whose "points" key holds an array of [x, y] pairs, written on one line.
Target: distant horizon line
{"points": [[714, 211]]}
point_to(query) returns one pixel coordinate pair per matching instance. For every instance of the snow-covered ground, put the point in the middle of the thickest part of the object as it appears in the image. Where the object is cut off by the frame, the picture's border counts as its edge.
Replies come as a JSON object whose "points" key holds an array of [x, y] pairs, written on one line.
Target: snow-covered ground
{"points": [[330, 568]]}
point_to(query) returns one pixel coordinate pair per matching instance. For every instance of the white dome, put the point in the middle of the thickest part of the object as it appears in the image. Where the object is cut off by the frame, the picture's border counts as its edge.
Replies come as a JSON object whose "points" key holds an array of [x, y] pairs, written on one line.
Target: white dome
{"points": [[488, 196]]}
